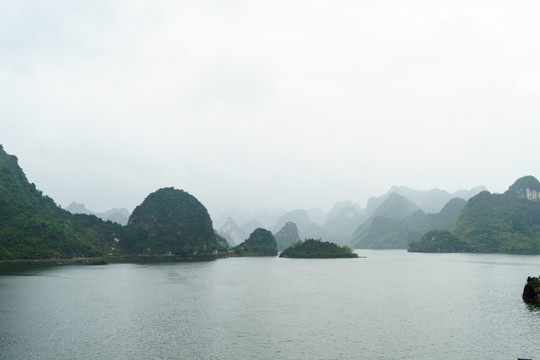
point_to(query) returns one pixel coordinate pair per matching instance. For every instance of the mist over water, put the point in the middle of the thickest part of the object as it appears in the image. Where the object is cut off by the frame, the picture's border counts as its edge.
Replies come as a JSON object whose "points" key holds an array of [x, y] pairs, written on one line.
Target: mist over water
{"points": [[389, 305]]}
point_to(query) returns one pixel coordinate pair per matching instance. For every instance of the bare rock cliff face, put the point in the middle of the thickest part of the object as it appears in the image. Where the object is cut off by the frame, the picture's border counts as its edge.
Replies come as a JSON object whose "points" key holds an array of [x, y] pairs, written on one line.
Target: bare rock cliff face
{"points": [[232, 232], [526, 187], [287, 236], [531, 194]]}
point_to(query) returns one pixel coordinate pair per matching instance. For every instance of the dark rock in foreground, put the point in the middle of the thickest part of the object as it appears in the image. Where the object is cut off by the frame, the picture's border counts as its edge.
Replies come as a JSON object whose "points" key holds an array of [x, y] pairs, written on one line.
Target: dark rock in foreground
{"points": [[531, 291]]}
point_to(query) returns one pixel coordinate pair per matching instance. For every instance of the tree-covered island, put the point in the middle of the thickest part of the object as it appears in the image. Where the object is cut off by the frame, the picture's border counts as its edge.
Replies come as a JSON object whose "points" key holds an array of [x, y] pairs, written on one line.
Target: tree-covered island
{"points": [[261, 242], [317, 249]]}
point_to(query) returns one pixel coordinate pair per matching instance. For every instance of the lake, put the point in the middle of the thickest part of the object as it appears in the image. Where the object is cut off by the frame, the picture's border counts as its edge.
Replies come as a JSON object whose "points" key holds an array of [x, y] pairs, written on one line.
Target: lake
{"points": [[389, 305]]}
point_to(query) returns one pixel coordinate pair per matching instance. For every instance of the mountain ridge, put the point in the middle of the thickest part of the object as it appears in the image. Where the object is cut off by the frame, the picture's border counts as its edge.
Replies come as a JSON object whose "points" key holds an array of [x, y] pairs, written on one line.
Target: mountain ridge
{"points": [[497, 223]]}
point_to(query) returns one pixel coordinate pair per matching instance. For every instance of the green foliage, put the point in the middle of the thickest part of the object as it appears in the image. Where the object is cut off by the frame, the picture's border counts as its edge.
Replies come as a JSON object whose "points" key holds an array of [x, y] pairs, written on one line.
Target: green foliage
{"points": [[315, 248], [500, 223], [33, 226], [440, 242], [261, 242], [171, 221], [507, 223]]}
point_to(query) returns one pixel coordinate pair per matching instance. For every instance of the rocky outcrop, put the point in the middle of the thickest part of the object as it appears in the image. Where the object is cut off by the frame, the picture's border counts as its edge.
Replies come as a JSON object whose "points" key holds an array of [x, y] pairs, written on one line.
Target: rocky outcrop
{"points": [[531, 291], [527, 187], [232, 232], [287, 236]]}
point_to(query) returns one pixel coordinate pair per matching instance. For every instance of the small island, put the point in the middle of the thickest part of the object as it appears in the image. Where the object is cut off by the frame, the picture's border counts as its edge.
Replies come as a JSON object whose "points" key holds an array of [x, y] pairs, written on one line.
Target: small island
{"points": [[261, 242], [317, 249]]}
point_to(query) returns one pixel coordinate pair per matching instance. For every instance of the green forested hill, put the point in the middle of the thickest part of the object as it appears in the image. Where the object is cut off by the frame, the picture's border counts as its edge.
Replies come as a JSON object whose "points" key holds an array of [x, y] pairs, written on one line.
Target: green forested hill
{"points": [[261, 242], [33, 226], [508, 223], [171, 221], [500, 223]]}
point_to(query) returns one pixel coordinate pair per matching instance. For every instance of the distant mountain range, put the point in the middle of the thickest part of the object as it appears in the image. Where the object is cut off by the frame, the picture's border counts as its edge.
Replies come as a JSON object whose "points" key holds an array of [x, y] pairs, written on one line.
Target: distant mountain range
{"points": [[287, 236], [120, 216], [342, 220], [430, 201], [265, 218], [391, 220], [171, 222], [232, 232], [394, 209], [397, 224]]}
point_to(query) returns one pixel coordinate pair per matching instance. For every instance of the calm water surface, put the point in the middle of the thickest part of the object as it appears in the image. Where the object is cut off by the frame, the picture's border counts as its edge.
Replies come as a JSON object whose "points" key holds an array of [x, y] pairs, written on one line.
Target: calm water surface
{"points": [[390, 305]]}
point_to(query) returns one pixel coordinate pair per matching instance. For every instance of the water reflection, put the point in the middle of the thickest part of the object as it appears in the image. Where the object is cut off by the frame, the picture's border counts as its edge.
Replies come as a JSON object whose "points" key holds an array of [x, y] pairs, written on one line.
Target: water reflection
{"points": [[391, 304]]}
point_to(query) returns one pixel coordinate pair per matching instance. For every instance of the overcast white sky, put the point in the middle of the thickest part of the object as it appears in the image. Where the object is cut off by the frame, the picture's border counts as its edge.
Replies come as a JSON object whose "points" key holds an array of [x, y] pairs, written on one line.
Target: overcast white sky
{"points": [[268, 104]]}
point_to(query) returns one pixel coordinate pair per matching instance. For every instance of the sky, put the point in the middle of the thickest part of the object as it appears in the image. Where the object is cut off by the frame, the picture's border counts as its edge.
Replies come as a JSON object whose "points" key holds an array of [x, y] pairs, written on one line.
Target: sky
{"points": [[268, 104]]}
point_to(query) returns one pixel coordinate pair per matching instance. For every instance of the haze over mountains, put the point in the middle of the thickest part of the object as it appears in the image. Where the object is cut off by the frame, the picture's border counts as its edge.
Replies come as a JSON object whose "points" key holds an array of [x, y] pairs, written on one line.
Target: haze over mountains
{"points": [[407, 211], [120, 216], [169, 222], [172, 222]]}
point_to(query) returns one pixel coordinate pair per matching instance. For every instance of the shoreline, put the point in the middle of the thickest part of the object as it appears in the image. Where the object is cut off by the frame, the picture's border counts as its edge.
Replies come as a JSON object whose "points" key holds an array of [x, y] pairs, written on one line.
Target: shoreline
{"points": [[104, 260]]}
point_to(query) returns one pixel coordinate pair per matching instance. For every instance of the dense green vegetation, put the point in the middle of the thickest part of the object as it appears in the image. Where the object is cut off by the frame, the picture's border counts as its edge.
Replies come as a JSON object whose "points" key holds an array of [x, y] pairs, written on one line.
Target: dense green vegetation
{"points": [[171, 221], [440, 242], [315, 248], [504, 223], [500, 223], [33, 226], [261, 242]]}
